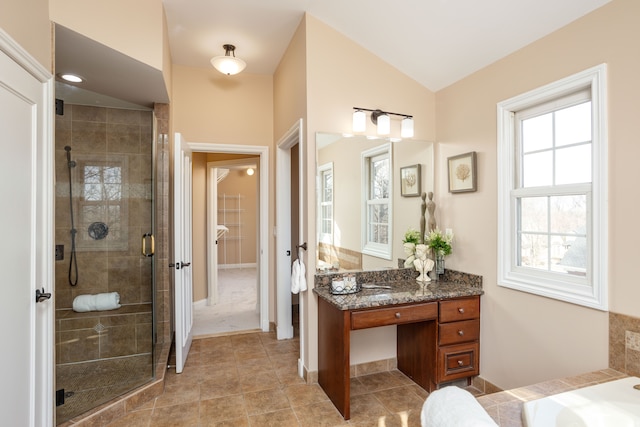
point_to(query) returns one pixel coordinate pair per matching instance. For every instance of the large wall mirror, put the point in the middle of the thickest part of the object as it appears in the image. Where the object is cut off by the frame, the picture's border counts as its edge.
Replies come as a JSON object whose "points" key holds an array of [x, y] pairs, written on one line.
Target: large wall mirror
{"points": [[368, 194]]}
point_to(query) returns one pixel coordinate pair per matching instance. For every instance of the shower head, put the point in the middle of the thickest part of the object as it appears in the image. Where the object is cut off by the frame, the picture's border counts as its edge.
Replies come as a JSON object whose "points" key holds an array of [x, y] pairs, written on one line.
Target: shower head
{"points": [[67, 148]]}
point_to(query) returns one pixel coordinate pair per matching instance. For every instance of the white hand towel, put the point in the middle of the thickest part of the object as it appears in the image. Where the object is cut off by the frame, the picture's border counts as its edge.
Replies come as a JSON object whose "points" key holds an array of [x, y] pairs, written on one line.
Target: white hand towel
{"points": [[298, 277], [302, 276], [97, 302], [295, 274], [454, 407]]}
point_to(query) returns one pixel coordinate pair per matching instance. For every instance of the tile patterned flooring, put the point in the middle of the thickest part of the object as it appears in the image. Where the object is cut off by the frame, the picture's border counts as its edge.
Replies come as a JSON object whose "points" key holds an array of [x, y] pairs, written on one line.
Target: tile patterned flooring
{"points": [[251, 380]]}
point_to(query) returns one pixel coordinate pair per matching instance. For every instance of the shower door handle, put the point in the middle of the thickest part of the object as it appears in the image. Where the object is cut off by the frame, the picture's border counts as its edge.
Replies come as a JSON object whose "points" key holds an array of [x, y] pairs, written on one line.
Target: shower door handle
{"points": [[42, 296], [144, 245]]}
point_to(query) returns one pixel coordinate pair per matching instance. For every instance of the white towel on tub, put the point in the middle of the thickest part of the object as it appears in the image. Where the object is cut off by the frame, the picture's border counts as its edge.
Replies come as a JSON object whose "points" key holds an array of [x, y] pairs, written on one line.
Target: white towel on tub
{"points": [[97, 302], [454, 407]]}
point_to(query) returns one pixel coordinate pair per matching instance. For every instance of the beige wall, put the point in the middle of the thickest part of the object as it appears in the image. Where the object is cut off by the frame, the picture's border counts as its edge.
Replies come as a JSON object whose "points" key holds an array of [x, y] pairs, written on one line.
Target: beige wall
{"points": [[199, 223], [209, 107], [526, 338], [134, 28], [241, 193], [27, 22], [342, 75]]}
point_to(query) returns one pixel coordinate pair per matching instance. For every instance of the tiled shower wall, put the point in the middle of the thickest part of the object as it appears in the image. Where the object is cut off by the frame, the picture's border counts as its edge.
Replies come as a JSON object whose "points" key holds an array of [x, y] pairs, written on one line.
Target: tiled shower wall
{"points": [[112, 138], [162, 271], [624, 343]]}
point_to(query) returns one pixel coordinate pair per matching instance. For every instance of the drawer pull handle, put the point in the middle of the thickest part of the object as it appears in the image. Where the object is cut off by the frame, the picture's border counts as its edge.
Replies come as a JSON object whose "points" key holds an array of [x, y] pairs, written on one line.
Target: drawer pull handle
{"points": [[461, 332], [397, 315], [461, 310], [460, 363]]}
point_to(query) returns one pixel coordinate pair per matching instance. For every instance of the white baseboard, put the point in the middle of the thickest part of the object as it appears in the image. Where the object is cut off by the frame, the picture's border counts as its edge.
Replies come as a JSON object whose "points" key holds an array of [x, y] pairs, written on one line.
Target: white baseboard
{"points": [[200, 303], [230, 266]]}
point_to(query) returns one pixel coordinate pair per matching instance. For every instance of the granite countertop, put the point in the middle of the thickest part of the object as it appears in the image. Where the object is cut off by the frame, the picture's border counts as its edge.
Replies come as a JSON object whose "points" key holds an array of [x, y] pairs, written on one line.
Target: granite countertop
{"points": [[400, 292]]}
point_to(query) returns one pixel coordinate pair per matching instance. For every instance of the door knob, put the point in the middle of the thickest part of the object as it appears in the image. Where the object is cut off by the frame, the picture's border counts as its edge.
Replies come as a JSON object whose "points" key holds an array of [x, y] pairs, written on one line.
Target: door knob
{"points": [[41, 295]]}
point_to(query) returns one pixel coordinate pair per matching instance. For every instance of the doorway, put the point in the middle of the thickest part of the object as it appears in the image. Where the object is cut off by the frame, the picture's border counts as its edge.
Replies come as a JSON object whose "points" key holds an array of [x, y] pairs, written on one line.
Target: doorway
{"points": [[229, 303], [292, 225], [261, 159]]}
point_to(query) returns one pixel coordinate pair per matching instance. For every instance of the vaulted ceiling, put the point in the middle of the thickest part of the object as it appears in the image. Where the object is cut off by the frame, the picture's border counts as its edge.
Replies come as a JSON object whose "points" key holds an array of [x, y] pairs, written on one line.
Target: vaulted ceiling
{"points": [[435, 42]]}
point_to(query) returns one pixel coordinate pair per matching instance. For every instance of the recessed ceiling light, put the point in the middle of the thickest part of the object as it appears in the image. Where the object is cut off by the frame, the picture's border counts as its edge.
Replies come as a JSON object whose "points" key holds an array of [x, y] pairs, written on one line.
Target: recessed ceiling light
{"points": [[71, 78]]}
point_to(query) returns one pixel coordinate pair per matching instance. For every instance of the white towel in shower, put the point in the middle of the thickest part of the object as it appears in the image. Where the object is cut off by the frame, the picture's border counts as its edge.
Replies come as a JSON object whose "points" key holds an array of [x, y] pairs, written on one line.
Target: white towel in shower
{"points": [[298, 277], [97, 302], [454, 407]]}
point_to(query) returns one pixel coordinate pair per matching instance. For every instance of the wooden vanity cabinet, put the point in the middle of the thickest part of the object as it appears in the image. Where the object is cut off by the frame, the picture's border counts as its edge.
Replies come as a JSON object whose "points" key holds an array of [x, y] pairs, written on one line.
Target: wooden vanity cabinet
{"points": [[437, 342], [458, 339]]}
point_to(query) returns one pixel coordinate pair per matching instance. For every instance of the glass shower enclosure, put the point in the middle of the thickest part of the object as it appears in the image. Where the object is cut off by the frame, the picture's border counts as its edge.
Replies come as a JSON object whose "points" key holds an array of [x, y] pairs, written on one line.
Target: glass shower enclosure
{"points": [[104, 264]]}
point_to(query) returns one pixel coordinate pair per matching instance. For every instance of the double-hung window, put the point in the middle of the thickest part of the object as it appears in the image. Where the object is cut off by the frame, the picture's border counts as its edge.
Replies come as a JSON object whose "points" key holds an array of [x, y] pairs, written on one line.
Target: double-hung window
{"points": [[552, 191], [325, 219], [376, 167]]}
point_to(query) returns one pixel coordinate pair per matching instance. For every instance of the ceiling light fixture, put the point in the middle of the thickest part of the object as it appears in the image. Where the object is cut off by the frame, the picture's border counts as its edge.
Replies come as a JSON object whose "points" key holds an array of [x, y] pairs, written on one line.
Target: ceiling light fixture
{"points": [[382, 120], [228, 64], [73, 78]]}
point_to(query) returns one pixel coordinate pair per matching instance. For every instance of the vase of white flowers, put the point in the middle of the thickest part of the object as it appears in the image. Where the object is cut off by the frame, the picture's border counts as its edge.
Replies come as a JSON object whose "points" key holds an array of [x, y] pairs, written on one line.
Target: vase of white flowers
{"points": [[440, 245]]}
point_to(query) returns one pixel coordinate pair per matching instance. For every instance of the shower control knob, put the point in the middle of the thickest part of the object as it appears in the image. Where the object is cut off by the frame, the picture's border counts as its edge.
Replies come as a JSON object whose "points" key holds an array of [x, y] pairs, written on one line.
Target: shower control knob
{"points": [[41, 295]]}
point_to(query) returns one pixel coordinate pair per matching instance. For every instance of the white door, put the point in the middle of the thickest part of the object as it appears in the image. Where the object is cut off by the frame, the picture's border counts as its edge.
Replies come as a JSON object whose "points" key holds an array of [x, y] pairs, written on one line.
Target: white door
{"points": [[183, 308], [26, 187]]}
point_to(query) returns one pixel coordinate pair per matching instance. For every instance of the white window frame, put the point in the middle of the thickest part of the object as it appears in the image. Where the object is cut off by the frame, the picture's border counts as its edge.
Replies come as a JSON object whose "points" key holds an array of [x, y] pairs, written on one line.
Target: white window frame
{"points": [[325, 237], [379, 250], [593, 292]]}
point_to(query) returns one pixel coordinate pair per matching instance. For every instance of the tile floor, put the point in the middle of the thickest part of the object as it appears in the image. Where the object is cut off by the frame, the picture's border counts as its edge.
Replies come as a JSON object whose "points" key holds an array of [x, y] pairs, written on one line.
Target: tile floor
{"points": [[251, 380]]}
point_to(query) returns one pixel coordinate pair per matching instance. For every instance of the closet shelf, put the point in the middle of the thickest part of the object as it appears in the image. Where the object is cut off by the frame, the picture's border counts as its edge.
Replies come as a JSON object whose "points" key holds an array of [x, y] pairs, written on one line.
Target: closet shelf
{"points": [[229, 209]]}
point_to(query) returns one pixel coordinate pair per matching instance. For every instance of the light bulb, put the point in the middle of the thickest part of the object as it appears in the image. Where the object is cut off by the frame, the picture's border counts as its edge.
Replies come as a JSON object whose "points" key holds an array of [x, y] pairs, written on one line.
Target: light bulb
{"points": [[359, 121], [384, 124], [406, 130]]}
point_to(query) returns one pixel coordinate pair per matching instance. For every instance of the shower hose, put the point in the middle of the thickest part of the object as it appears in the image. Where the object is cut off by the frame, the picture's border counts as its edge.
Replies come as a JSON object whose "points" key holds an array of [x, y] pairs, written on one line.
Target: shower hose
{"points": [[73, 262]]}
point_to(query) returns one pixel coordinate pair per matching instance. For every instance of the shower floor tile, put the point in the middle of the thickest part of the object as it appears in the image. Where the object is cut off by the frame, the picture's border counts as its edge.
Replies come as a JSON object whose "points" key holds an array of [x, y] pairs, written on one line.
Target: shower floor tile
{"points": [[90, 384]]}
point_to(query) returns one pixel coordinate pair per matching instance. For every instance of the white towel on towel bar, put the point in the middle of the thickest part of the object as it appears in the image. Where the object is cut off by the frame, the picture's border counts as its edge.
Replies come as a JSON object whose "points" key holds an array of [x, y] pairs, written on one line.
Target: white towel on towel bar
{"points": [[454, 407], [298, 277], [97, 302]]}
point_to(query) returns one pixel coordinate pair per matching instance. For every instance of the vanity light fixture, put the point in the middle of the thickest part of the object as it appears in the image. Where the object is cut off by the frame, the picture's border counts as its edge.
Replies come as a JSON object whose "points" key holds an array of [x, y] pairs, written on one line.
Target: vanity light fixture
{"points": [[250, 171], [382, 120], [228, 64]]}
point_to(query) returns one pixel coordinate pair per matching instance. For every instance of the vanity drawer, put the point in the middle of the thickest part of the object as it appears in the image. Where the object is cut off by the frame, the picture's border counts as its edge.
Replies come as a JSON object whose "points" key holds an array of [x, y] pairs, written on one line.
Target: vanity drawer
{"points": [[394, 315], [459, 309], [458, 361], [458, 332]]}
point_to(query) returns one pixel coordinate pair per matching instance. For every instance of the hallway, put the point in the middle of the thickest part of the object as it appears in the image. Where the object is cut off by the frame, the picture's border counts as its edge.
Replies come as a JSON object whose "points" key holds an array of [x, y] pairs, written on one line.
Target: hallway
{"points": [[236, 309]]}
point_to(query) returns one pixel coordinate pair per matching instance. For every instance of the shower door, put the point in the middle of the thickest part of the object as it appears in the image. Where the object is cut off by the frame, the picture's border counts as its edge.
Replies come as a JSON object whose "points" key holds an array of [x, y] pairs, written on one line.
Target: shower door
{"points": [[104, 262]]}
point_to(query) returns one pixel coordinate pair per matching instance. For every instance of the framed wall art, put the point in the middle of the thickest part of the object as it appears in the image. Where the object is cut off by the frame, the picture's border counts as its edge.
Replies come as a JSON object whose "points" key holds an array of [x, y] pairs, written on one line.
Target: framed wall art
{"points": [[410, 181], [462, 172]]}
